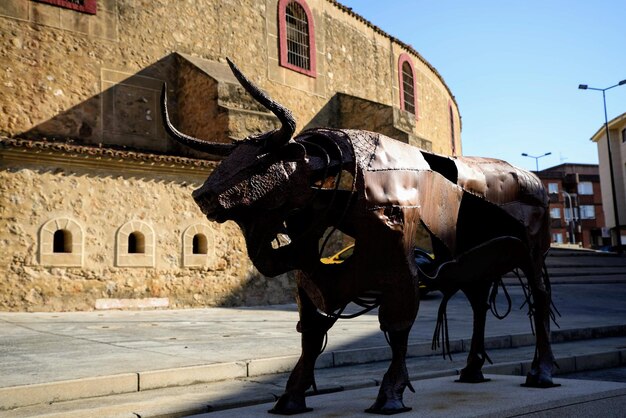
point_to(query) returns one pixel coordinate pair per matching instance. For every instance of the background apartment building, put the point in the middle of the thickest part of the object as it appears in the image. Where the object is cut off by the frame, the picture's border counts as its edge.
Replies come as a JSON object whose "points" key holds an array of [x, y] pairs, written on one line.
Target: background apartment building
{"points": [[576, 206], [617, 133]]}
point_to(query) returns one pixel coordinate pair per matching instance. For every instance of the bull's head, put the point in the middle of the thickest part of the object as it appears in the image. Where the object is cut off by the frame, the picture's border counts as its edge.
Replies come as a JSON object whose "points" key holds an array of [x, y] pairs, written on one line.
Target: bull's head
{"points": [[260, 180]]}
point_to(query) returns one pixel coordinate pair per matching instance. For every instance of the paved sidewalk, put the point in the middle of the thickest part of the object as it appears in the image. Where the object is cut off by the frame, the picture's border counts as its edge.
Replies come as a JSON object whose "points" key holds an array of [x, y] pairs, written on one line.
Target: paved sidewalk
{"points": [[47, 357], [222, 397], [47, 347]]}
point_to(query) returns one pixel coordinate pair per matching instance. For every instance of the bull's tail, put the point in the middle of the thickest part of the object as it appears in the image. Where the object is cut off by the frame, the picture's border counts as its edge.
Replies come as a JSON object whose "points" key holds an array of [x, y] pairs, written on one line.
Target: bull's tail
{"points": [[554, 312], [528, 296], [441, 336]]}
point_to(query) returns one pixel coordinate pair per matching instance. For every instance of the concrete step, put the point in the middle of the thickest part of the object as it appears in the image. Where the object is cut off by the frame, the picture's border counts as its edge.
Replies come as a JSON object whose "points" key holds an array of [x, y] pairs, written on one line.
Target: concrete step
{"points": [[575, 350], [586, 261], [572, 271], [574, 252], [584, 258]]}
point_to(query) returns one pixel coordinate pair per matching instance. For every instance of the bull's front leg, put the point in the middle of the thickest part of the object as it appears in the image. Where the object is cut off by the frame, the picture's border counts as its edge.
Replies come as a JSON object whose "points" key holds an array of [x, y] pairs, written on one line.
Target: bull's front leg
{"points": [[397, 313], [396, 380], [477, 294], [313, 327]]}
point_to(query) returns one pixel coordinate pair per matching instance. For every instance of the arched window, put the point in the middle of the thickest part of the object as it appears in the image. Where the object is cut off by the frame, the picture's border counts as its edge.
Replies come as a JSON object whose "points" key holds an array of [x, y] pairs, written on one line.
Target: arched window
{"points": [[296, 36], [406, 77], [200, 244], [136, 243], [452, 136], [62, 241], [85, 6]]}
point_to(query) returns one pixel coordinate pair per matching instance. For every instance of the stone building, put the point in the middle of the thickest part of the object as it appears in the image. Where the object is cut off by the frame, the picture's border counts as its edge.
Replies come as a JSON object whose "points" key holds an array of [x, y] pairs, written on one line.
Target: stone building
{"points": [[613, 202], [95, 206], [575, 204]]}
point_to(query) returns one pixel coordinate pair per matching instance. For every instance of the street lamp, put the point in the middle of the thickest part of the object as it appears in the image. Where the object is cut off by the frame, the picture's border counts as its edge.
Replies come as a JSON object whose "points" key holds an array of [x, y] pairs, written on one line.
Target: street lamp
{"points": [[536, 159], [572, 218], [608, 147]]}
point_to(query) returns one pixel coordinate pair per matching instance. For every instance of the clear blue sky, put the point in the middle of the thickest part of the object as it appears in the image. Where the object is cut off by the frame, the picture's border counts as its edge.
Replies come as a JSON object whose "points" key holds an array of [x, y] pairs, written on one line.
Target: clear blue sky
{"points": [[515, 66]]}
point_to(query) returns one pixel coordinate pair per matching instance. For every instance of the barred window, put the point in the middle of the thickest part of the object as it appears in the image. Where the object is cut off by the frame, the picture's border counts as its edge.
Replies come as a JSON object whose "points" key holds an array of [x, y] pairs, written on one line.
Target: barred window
{"points": [[407, 88], [407, 85], [296, 36], [452, 136], [84, 6]]}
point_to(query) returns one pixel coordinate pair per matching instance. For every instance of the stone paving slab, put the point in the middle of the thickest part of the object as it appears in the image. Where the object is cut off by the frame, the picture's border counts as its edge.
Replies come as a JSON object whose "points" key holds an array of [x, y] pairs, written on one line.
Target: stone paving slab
{"points": [[235, 393], [441, 397], [190, 346], [46, 347]]}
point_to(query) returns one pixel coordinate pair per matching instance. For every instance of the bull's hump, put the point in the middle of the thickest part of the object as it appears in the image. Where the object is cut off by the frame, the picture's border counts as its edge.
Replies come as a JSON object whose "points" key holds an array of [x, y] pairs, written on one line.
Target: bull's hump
{"points": [[391, 154], [498, 181]]}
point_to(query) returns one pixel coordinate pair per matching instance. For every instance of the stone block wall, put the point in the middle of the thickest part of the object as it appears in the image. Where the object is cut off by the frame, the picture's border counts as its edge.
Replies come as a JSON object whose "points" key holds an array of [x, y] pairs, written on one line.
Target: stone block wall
{"points": [[97, 198], [72, 79], [95, 78]]}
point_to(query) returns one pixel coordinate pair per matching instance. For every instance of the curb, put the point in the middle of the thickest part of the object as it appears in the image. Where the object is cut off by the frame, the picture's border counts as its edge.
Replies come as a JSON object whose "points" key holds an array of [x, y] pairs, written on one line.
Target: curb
{"points": [[27, 395], [169, 407], [593, 361]]}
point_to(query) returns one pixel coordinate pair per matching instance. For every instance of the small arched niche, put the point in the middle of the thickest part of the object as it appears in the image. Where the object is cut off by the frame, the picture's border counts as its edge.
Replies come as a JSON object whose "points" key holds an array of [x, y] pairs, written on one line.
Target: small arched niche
{"points": [[135, 245], [198, 246], [61, 243]]}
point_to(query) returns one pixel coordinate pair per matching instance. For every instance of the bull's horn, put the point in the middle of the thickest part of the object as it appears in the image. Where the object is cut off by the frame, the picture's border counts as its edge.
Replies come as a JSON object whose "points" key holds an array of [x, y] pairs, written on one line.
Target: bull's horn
{"points": [[284, 115], [214, 148]]}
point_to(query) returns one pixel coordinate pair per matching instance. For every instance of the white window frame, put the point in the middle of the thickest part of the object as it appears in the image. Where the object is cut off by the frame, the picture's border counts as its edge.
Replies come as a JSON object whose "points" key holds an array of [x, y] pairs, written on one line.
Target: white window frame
{"points": [[553, 188], [567, 213], [555, 211], [585, 188], [587, 212]]}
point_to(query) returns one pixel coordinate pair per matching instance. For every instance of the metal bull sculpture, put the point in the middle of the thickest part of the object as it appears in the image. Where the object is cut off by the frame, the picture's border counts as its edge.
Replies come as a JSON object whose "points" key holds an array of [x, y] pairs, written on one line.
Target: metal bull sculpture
{"points": [[484, 216]]}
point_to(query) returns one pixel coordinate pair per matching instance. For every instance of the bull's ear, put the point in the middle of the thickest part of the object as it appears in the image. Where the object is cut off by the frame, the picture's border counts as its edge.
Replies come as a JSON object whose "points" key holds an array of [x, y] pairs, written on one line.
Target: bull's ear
{"points": [[291, 151]]}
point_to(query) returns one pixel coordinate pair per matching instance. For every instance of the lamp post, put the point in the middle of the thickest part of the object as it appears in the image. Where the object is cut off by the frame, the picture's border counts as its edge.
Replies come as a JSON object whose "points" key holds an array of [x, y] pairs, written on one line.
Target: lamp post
{"points": [[608, 146], [536, 159], [572, 219]]}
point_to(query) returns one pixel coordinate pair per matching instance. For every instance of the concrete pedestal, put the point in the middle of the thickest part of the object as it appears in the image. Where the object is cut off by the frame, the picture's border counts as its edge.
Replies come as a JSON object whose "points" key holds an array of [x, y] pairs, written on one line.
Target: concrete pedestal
{"points": [[442, 397]]}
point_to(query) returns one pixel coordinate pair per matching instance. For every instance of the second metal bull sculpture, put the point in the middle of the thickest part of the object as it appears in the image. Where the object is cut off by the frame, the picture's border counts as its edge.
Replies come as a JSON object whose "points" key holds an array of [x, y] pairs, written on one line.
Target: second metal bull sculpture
{"points": [[484, 216]]}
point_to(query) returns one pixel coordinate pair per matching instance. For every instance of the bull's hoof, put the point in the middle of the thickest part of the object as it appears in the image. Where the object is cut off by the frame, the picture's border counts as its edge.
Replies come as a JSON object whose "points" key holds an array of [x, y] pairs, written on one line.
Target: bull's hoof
{"points": [[390, 407], [468, 376], [539, 380], [289, 404]]}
